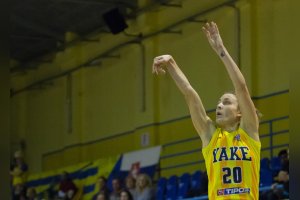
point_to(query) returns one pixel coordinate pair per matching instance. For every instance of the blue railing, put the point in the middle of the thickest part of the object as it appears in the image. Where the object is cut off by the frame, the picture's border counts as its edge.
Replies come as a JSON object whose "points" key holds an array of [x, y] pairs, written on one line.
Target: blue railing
{"points": [[271, 135]]}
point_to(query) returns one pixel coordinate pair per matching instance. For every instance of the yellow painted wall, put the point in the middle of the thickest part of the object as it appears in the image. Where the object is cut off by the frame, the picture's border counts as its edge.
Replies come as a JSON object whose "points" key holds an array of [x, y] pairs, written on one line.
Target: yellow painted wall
{"points": [[107, 115]]}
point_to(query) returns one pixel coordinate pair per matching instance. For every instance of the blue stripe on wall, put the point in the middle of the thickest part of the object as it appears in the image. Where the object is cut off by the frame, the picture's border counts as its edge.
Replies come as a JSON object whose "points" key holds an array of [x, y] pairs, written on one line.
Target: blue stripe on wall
{"points": [[43, 181], [79, 174], [88, 188]]}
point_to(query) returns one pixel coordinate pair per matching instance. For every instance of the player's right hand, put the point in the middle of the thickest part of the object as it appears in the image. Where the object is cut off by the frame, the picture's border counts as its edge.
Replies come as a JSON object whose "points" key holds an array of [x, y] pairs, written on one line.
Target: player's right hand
{"points": [[160, 64]]}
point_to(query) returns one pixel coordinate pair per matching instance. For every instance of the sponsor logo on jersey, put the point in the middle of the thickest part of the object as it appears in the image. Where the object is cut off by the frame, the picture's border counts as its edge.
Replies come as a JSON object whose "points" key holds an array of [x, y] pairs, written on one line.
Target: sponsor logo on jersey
{"points": [[229, 191]]}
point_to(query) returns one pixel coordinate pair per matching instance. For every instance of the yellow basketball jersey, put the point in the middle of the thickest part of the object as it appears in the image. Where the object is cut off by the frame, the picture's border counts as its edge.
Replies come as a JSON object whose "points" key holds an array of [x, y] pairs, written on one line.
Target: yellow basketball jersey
{"points": [[232, 162]]}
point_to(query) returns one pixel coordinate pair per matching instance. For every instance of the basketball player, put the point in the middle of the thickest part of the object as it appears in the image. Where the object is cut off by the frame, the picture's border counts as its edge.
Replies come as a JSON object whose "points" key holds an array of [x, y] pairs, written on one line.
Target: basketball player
{"points": [[231, 146]]}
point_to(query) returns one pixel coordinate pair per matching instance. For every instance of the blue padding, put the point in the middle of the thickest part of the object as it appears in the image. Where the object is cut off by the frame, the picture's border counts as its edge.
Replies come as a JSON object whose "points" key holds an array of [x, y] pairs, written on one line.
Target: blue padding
{"points": [[265, 163], [184, 185], [171, 193], [266, 177], [275, 165], [196, 179], [161, 188]]}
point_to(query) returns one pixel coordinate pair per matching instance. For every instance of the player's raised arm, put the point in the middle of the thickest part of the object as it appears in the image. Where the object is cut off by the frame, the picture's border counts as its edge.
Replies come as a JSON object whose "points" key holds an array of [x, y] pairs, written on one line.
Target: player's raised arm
{"points": [[249, 119], [201, 121]]}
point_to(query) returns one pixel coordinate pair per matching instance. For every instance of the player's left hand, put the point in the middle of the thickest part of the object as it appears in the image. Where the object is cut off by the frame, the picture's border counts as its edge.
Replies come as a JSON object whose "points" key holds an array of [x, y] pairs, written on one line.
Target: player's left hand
{"points": [[212, 33]]}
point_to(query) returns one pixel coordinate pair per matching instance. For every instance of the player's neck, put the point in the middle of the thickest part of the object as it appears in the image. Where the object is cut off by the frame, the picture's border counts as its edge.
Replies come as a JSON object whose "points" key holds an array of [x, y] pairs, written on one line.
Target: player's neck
{"points": [[230, 127]]}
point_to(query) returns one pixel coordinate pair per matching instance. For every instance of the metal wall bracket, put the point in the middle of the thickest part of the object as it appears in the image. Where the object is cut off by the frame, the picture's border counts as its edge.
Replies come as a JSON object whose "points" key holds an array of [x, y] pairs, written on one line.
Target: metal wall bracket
{"points": [[43, 85], [94, 63], [140, 35], [172, 5], [173, 31], [98, 62], [202, 21], [111, 56], [90, 40]]}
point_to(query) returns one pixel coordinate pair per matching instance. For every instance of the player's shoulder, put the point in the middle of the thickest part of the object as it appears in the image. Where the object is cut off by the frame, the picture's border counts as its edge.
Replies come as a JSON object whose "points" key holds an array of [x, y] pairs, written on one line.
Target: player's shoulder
{"points": [[210, 135]]}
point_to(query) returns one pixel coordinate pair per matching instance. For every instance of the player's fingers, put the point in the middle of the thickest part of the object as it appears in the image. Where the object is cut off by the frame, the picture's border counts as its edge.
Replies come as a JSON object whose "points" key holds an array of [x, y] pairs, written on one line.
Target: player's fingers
{"points": [[215, 27], [207, 25], [161, 71], [156, 70], [155, 66], [206, 32]]}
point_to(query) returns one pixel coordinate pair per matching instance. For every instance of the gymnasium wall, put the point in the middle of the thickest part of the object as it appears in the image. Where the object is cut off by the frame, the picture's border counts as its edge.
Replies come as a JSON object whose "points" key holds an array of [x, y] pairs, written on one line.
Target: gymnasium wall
{"points": [[87, 112]]}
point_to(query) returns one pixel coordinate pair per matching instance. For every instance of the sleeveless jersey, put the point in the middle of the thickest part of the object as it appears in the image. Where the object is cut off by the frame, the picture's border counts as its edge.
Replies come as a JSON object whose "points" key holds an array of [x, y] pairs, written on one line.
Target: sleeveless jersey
{"points": [[232, 162]]}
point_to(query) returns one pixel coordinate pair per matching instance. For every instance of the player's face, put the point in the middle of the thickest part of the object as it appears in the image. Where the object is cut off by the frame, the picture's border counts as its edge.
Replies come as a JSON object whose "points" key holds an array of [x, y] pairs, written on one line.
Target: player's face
{"points": [[227, 111]]}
